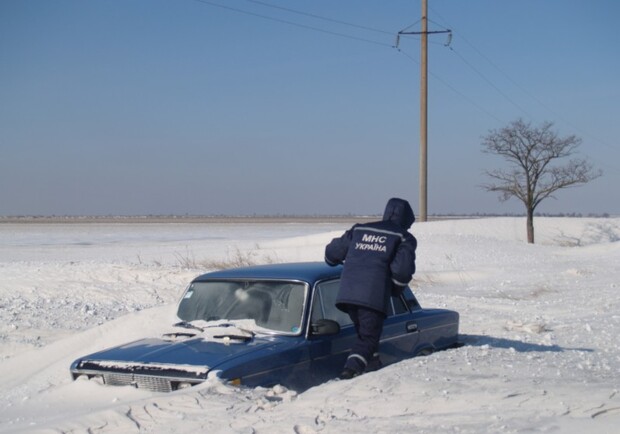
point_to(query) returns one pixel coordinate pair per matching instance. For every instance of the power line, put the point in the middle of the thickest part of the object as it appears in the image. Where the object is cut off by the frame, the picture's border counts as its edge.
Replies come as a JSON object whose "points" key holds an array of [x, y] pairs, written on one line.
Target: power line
{"points": [[292, 23], [436, 77], [521, 88], [319, 17], [453, 89], [312, 28], [375, 42], [490, 83]]}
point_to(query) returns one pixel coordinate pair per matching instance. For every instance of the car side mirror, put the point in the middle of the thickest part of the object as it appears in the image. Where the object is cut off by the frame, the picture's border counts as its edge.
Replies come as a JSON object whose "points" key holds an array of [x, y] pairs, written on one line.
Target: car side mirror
{"points": [[325, 327]]}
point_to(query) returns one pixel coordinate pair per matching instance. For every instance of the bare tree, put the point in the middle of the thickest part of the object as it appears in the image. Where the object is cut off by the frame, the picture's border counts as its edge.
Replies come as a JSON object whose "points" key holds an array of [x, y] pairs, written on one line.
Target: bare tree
{"points": [[532, 177]]}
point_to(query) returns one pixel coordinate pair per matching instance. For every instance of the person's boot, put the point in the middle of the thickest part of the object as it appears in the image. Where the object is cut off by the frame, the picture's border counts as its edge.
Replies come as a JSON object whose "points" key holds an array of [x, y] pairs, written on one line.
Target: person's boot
{"points": [[348, 373], [355, 366], [374, 364]]}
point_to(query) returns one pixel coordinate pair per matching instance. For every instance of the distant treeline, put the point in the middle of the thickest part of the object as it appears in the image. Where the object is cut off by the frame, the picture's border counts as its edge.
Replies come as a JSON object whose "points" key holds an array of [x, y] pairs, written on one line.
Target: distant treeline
{"points": [[543, 214], [258, 218], [187, 219]]}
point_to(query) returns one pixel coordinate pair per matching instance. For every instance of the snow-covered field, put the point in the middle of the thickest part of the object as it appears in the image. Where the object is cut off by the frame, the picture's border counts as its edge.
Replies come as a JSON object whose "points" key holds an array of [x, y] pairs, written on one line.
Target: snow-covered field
{"points": [[541, 323]]}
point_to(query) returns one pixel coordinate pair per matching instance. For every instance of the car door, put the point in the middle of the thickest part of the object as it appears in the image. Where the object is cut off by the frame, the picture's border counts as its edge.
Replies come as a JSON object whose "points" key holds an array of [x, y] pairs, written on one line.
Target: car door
{"points": [[401, 332], [329, 353]]}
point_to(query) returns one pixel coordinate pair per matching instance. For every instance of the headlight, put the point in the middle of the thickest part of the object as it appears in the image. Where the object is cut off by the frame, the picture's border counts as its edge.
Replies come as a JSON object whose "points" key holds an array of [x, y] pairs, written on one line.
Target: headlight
{"points": [[183, 385]]}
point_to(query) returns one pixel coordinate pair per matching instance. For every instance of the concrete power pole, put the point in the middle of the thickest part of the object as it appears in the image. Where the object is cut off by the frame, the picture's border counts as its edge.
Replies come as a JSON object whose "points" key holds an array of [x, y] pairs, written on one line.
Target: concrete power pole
{"points": [[423, 211]]}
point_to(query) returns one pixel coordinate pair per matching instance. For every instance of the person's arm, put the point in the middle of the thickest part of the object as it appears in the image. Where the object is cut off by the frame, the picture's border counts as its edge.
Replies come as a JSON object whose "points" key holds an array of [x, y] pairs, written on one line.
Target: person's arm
{"points": [[336, 250], [403, 264]]}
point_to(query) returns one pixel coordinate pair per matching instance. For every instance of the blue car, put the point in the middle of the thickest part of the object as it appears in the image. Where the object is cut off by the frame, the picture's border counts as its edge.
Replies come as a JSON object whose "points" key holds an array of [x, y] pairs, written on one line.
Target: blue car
{"points": [[262, 326]]}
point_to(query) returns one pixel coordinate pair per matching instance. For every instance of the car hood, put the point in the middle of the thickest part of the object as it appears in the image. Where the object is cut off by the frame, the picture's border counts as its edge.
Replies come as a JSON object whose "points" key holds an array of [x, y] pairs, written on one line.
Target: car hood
{"points": [[170, 356]]}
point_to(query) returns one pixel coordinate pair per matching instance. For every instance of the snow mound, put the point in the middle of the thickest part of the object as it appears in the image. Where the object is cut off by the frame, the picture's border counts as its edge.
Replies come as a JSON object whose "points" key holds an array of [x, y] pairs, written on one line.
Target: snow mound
{"points": [[540, 323]]}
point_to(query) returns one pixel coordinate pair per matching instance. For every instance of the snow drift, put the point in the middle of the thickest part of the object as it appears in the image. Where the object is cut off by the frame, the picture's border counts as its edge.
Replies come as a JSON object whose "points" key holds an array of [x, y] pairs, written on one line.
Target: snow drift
{"points": [[541, 323]]}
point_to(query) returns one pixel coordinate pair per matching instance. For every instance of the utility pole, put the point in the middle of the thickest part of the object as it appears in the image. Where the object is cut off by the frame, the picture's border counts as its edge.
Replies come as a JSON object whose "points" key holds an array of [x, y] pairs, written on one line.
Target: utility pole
{"points": [[423, 211], [424, 114]]}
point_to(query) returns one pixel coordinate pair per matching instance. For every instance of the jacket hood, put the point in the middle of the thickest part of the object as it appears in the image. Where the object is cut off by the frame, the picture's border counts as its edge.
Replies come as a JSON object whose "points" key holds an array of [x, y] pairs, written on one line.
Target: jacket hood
{"points": [[399, 211]]}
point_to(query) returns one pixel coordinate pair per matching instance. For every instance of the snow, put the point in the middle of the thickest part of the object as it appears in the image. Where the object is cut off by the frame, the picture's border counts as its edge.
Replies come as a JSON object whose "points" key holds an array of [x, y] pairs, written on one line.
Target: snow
{"points": [[541, 325]]}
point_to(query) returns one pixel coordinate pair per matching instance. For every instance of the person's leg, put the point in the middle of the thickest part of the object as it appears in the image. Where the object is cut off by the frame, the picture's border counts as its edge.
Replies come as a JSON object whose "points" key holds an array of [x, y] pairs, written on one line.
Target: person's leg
{"points": [[364, 351], [352, 311], [370, 328], [354, 364]]}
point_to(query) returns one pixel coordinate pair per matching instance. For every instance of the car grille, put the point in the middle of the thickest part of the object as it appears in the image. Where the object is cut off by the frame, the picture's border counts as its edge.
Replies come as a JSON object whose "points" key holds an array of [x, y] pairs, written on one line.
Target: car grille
{"points": [[155, 384]]}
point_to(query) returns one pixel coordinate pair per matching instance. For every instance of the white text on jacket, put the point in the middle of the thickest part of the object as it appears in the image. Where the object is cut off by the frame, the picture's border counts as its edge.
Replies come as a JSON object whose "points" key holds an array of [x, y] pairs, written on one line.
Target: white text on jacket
{"points": [[375, 243]]}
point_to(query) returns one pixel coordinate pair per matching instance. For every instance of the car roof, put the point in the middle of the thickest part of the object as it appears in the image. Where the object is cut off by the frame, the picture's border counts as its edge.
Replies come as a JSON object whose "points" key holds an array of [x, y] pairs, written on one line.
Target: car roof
{"points": [[306, 271]]}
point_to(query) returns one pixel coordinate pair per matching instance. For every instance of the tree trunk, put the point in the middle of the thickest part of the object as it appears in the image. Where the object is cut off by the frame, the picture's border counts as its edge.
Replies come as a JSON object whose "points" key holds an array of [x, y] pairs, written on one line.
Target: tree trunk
{"points": [[530, 226]]}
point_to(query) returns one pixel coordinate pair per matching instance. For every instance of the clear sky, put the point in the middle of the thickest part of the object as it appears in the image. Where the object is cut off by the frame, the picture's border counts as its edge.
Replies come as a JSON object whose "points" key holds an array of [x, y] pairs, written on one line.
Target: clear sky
{"points": [[136, 107]]}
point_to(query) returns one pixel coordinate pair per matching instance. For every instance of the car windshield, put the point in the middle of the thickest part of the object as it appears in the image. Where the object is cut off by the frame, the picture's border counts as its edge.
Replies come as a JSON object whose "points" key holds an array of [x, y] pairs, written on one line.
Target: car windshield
{"points": [[274, 305]]}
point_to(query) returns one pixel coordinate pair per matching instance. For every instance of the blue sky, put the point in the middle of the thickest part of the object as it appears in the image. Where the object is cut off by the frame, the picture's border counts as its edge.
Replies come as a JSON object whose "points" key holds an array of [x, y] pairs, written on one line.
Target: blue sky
{"points": [[183, 107]]}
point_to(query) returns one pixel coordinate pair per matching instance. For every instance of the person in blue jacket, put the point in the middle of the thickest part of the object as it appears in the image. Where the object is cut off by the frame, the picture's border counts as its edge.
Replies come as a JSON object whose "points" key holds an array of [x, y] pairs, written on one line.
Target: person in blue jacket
{"points": [[379, 260]]}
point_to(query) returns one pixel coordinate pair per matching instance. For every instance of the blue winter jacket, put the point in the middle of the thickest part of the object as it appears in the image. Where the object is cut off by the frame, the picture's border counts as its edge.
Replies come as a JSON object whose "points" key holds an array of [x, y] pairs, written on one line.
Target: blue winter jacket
{"points": [[378, 257]]}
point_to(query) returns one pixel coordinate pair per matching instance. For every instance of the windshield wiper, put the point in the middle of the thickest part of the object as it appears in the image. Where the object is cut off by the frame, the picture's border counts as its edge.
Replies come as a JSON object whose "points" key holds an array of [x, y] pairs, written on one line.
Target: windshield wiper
{"points": [[187, 325], [244, 338], [250, 334], [179, 335]]}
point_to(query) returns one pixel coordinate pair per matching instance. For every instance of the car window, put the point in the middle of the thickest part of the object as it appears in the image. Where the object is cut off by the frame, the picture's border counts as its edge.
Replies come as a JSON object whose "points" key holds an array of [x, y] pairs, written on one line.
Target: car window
{"points": [[324, 304], [399, 305], [275, 305], [412, 302]]}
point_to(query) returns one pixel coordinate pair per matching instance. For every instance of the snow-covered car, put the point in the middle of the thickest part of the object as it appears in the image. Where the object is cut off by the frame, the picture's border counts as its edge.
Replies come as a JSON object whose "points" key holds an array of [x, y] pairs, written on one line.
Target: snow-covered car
{"points": [[262, 326]]}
